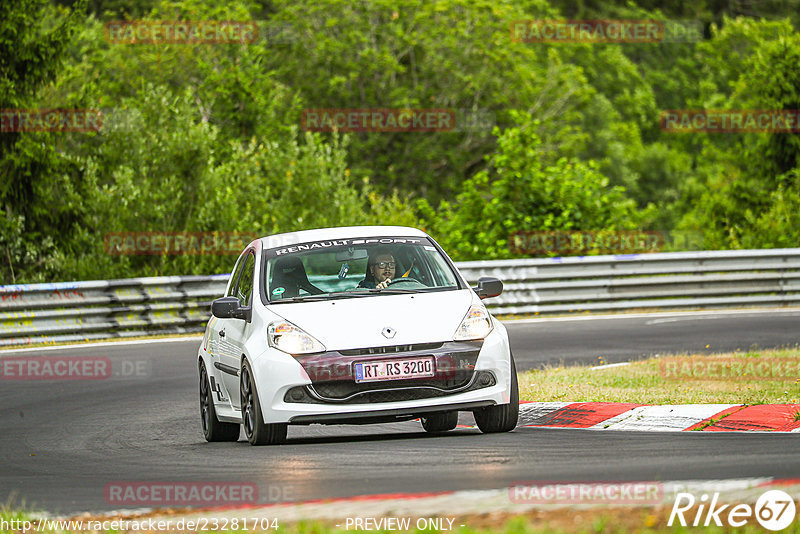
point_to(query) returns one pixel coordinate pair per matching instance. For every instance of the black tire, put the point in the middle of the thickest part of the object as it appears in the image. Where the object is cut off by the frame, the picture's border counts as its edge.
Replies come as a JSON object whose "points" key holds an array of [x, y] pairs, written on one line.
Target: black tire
{"points": [[257, 432], [440, 421], [503, 417], [213, 429]]}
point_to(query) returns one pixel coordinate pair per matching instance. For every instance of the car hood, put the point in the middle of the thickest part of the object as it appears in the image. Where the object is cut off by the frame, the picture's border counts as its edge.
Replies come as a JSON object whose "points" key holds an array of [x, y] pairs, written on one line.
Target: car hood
{"points": [[352, 323]]}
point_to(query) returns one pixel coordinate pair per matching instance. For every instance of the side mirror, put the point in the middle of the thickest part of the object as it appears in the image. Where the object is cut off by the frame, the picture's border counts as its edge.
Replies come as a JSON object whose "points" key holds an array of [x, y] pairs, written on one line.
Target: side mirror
{"points": [[488, 287], [228, 308]]}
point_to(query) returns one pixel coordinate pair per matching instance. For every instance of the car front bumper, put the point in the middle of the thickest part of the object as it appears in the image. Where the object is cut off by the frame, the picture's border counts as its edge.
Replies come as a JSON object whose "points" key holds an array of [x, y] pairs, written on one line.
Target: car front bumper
{"points": [[277, 373]]}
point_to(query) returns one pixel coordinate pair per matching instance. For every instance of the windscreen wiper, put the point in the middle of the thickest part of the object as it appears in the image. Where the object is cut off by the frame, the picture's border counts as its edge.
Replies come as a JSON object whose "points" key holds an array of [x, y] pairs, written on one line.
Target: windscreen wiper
{"points": [[363, 292], [304, 298], [375, 291], [359, 293], [326, 296]]}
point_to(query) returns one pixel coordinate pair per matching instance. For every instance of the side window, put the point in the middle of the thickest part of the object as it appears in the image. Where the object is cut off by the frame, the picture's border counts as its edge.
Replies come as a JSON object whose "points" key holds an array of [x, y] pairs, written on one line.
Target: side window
{"points": [[244, 291], [234, 277], [421, 269]]}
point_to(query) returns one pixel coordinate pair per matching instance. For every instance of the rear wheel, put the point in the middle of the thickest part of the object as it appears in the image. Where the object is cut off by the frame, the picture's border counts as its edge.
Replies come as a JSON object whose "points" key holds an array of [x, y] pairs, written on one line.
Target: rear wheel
{"points": [[213, 429], [440, 421], [503, 417], [257, 432]]}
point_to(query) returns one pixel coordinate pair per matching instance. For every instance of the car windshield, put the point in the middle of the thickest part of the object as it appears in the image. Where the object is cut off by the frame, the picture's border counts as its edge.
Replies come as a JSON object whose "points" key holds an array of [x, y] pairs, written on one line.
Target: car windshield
{"points": [[349, 268]]}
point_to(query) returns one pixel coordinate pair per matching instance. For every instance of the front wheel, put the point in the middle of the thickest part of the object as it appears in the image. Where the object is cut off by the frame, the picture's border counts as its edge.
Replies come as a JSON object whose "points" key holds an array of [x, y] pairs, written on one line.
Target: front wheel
{"points": [[440, 422], [213, 429], [257, 432], [503, 417]]}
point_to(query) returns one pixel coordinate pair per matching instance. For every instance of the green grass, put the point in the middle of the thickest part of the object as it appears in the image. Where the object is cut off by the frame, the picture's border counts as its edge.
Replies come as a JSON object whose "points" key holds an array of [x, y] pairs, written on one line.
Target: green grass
{"points": [[763, 377]]}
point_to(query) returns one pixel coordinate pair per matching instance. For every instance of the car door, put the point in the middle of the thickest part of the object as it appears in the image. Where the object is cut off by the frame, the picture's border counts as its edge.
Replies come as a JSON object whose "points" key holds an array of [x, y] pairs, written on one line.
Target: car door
{"points": [[220, 347], [237, 330]]}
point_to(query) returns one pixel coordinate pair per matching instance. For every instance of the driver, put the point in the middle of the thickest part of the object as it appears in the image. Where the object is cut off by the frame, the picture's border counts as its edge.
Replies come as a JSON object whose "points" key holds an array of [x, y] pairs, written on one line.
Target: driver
{"points": [[380, 266]]}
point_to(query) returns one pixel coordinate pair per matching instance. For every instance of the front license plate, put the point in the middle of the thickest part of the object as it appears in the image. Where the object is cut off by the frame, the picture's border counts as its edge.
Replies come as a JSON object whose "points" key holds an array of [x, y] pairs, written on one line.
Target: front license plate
{"points": [[374, 371]]}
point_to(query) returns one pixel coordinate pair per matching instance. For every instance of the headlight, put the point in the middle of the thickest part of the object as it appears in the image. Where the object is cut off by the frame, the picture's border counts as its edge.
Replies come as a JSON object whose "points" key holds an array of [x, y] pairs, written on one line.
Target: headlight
{"points": [[288, 338], [476, 325]]}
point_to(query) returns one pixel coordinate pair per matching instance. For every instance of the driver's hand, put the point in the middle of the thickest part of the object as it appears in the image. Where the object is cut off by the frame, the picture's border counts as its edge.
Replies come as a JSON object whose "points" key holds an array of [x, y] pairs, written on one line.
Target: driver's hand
{"points": [[384, 284]]}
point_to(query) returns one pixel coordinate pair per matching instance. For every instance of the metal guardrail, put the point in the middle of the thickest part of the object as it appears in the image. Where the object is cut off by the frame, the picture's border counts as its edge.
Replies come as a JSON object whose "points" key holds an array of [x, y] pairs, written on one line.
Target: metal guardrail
{"points": [[75, 311], [710, 279], [72, 311]]}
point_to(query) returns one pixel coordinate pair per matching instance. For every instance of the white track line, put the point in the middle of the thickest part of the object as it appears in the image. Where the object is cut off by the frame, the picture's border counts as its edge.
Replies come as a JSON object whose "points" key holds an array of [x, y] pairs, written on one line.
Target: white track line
{"points": [[609, 366]]}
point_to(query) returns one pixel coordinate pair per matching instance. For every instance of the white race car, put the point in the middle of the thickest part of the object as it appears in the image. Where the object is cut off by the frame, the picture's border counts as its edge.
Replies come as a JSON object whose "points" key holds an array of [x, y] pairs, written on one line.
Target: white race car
{"points": [[364, 324]]}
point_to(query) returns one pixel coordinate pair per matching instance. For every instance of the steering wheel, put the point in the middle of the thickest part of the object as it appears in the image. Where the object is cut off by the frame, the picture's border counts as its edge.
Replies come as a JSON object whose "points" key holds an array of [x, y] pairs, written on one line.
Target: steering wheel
{"points": [[406, 279]]}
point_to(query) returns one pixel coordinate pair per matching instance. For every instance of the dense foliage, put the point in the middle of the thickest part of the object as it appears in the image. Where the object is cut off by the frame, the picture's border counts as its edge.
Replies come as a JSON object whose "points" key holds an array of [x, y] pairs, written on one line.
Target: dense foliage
{"points": [[208, 137]]}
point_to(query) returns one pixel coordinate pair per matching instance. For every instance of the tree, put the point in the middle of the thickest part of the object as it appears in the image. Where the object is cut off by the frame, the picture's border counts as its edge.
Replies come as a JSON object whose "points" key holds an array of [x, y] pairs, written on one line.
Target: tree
{"points": [[519, 193], [34, 38], [453, 54], [751, 183], [159, 167]]}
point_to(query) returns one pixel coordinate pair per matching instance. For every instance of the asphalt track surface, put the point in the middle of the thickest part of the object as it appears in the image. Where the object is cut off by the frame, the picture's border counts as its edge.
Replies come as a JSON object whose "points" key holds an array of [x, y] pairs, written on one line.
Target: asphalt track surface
{"points": [[62, 442]]}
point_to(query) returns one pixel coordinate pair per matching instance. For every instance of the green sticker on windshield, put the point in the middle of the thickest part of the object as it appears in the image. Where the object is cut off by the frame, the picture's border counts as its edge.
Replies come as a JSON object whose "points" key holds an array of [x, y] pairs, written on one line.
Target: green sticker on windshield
{"points": [[278, 291]]}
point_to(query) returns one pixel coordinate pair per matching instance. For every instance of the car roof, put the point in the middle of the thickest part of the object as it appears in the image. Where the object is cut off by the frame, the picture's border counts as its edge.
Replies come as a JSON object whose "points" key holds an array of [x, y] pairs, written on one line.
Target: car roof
{"points": [[340, 232]]}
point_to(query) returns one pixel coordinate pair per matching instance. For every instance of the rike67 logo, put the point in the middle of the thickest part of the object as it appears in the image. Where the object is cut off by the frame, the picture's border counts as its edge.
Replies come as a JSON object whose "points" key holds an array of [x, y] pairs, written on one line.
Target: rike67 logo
{"points": [[774, 510]]}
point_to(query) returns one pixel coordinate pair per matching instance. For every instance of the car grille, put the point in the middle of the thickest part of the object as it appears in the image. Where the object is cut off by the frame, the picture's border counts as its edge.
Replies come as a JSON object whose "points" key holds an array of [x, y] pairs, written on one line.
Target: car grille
{"points": [[342, 388], [399, 390]]}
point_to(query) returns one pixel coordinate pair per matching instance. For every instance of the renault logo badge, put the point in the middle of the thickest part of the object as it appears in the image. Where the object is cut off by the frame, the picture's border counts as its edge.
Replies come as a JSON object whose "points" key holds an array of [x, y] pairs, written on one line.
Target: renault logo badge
{"points": [[388, 332]]}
